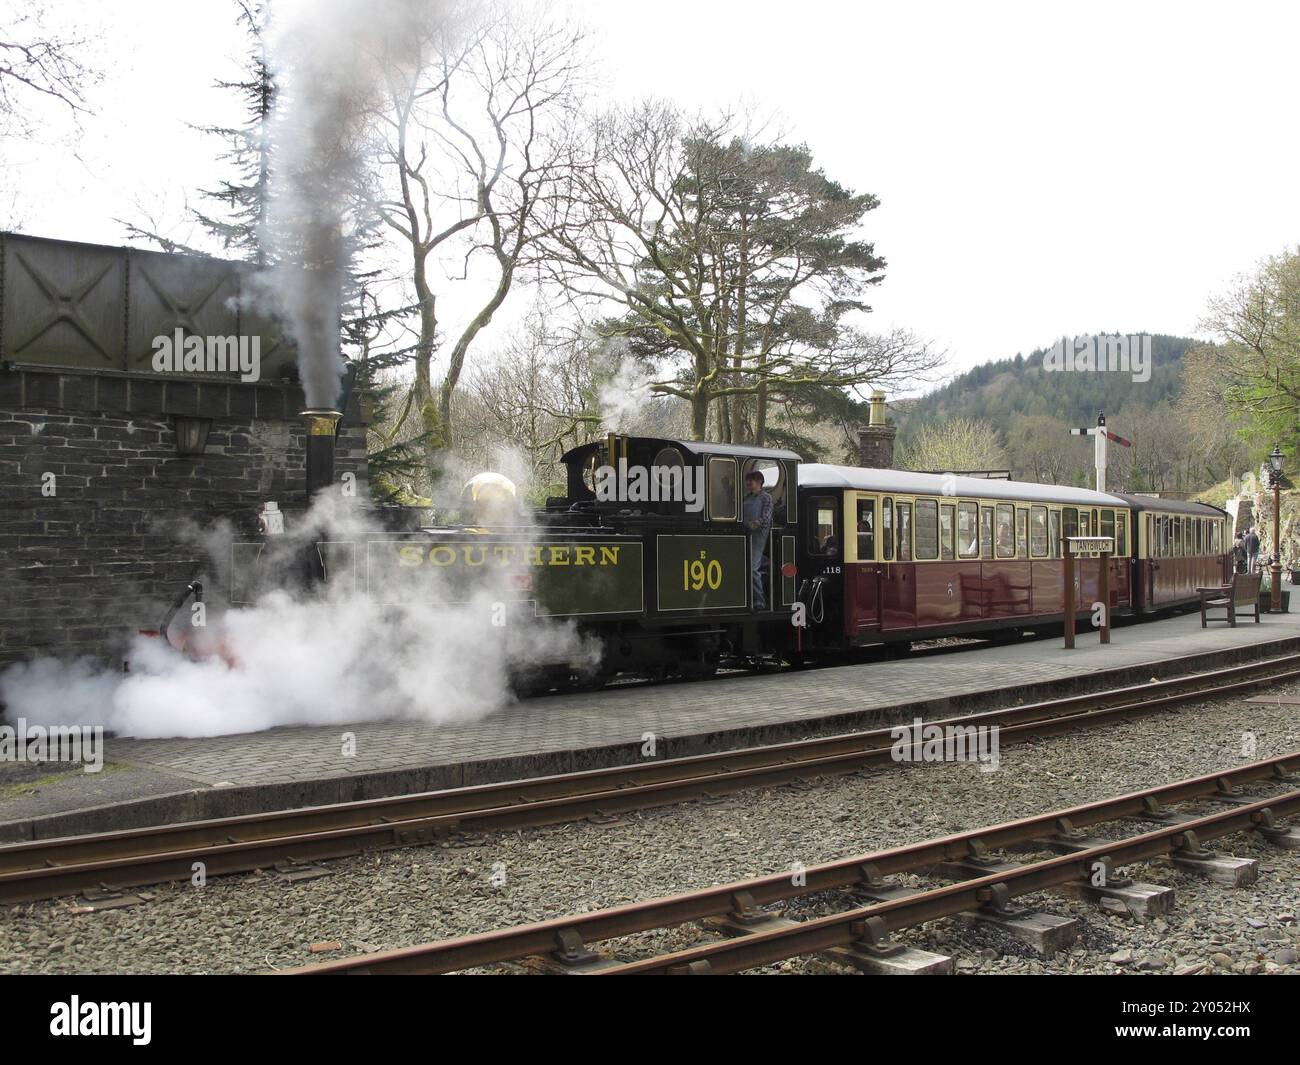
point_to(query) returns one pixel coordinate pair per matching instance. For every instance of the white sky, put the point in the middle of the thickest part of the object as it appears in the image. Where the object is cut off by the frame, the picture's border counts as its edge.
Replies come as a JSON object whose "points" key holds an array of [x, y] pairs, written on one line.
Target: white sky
{"points": [[1043, 169]]}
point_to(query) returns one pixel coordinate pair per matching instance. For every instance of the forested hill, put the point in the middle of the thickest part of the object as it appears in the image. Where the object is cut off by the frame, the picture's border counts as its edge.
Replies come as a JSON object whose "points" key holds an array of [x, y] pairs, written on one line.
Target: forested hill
{"points": [[999, 392]]}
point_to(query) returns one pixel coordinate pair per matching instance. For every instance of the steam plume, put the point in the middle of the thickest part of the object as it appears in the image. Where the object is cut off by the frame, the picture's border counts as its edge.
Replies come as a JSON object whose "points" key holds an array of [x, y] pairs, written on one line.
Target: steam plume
{"points": [[339, 656], [330, 59]]}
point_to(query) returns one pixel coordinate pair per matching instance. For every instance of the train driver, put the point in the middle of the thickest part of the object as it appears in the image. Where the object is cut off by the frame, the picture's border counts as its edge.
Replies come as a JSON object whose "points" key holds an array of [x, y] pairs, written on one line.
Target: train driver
{"points": [[758, 520]]}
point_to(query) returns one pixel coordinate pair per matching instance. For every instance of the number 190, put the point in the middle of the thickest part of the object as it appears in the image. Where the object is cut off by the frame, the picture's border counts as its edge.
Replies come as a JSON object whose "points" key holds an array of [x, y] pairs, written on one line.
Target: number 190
{"points": [[695, 574]]}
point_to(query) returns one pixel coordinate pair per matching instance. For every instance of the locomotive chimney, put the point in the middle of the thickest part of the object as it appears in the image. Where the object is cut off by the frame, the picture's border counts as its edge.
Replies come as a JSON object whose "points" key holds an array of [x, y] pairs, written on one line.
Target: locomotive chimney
{"points": [[322, 429], [876, 438]]}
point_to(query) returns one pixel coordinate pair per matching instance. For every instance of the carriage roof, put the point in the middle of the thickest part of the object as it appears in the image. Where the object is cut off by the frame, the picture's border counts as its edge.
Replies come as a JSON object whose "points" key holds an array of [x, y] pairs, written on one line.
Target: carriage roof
{"points": [[822, 475]]}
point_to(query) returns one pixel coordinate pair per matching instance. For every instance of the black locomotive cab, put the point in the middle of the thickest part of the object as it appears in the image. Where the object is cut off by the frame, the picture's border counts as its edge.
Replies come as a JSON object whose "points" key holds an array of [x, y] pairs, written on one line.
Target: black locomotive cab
{"points": [[694, 482], [718, 542]]}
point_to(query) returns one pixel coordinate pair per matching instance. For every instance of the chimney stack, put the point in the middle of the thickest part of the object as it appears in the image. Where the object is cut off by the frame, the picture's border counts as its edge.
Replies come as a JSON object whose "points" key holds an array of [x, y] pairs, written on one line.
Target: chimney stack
{"points": [[876, 439], [322, 427]]}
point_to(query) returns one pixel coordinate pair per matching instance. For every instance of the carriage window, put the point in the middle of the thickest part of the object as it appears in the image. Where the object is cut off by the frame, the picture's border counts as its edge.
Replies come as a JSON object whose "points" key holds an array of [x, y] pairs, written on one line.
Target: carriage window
{"points": [[822, 538], [887, 520], [1038, 532], [1054, 532], [1022, 533], [946, 521], [1178, 537], [1121, 535], [986, 532], [1085, 523], [1070, 519], [1006, 531], [722, 489], [866, 530], [1107, 527], [903, 527], [927, 529], [968, 525]]}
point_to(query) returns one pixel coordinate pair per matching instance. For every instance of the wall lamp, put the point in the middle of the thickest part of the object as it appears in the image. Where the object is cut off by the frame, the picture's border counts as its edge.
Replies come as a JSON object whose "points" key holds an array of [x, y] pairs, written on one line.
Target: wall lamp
{"points": [[191, 434]]}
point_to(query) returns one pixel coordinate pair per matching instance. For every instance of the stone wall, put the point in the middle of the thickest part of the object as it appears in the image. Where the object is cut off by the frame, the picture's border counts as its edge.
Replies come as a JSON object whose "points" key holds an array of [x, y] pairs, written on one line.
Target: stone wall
{"points": [[93, 496]]}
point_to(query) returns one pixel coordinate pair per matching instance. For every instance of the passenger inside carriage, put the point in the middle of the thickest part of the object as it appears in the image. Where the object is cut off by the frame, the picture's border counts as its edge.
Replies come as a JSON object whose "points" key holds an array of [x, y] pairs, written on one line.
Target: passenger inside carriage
{"points": [[1006, 539]]}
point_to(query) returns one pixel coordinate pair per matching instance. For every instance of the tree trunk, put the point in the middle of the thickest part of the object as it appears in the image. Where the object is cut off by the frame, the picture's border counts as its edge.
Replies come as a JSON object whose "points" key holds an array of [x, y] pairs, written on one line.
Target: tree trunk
{"points": [[738, 429], [423, 387]]}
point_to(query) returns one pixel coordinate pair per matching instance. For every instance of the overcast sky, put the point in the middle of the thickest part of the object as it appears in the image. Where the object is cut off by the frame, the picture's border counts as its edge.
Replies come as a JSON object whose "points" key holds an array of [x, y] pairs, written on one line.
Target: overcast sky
{"points": [[1043, 169]]}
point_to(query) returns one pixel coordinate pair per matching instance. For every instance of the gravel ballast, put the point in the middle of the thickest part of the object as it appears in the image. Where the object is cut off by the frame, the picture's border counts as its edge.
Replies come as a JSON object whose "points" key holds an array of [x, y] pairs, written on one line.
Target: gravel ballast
{"points": [[256, 922]]}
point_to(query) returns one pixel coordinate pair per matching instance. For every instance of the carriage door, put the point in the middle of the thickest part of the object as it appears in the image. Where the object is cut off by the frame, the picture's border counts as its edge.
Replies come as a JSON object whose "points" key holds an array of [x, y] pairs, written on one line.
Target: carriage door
{"points": [[862, 574], [824, 548]]}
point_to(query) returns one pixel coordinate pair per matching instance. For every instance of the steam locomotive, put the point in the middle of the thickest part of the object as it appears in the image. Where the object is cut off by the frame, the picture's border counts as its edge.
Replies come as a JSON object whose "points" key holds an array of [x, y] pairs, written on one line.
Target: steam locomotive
{"points": [[648, 554]]}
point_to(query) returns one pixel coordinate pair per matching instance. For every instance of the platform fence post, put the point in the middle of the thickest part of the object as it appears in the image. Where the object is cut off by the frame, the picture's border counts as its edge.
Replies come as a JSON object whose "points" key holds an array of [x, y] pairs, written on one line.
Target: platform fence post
{"points": [[1068, 570]]}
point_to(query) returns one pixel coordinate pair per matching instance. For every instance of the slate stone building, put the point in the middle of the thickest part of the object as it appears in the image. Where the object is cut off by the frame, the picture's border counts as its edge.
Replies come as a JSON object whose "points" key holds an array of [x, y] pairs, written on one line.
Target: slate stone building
{"points": [[104, 460]]}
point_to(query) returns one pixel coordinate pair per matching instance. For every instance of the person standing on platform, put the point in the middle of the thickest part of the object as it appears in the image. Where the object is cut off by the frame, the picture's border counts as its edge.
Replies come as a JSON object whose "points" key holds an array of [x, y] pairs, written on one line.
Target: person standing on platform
{"points": [[758, 521], [1239, 554], [1252, 550]]}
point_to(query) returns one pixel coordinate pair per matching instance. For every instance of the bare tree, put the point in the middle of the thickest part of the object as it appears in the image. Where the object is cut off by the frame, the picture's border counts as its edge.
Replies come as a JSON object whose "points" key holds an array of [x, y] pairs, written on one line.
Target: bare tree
{"points": [[38, 64], [472, 135], [956, 444], [534, 393]]}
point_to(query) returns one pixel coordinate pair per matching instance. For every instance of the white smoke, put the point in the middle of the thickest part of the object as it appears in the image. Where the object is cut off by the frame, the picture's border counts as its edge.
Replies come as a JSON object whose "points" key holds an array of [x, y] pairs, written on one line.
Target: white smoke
{"points": [[331, 60], [624, 396], [336, 657]]}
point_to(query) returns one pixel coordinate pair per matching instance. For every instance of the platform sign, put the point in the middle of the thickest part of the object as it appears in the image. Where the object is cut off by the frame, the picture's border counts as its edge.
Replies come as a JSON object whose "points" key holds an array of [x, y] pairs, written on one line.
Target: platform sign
{"points": [[1090, 546], [1077, 547], [703, 572]]}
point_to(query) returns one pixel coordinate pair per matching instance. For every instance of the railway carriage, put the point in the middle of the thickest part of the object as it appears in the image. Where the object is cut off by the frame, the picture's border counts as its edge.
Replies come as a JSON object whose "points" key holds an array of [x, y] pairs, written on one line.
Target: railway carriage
{"points": [[894, 556], [1179, 547]]}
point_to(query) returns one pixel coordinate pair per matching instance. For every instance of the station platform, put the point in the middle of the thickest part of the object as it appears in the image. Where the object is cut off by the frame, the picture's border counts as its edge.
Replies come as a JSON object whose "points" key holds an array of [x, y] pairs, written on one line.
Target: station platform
{"points": [[168, 780]]}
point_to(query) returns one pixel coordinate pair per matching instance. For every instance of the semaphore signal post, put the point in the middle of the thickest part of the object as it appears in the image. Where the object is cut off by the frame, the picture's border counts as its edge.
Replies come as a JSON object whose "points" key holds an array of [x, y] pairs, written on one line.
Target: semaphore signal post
{"points": [[1100, 434]]}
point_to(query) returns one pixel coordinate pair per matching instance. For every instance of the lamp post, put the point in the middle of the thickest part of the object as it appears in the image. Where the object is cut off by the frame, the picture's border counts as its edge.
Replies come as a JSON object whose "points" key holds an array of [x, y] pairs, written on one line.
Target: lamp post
{"points": [[1275, 475]]}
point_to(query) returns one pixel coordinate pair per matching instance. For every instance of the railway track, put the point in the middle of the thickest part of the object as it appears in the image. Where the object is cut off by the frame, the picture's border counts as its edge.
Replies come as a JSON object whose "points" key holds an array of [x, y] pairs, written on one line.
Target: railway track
{"points": [[862, 932], [116, 861]]}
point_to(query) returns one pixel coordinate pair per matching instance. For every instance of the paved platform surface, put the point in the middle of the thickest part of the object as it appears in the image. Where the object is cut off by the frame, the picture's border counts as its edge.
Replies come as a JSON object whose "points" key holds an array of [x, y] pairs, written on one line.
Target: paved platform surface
{"points": [[152, 781]]}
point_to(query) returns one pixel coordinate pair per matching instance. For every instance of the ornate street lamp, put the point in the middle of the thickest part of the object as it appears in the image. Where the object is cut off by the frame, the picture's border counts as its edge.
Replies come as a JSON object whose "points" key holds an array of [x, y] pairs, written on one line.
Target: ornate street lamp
{"points": [[1275, 475]]}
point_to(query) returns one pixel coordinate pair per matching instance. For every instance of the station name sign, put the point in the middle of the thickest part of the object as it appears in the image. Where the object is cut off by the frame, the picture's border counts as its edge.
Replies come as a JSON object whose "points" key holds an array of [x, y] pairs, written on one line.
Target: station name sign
{"points": [[1084, 546]]}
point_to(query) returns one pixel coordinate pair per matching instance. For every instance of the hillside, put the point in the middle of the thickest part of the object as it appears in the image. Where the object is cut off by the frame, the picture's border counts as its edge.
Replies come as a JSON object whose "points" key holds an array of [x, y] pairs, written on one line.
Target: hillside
{"points": [[1017, 414], [999, 391]]}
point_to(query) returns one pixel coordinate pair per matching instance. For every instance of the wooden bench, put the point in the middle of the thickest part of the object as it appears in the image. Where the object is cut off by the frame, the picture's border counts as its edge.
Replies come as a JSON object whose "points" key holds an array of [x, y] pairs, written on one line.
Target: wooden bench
{"points": [[1242, 592]]}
